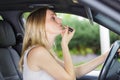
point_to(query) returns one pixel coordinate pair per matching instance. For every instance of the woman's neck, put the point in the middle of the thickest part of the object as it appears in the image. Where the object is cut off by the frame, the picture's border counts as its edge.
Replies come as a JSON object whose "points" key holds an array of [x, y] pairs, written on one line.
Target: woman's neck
{"points": [[51, 40]]}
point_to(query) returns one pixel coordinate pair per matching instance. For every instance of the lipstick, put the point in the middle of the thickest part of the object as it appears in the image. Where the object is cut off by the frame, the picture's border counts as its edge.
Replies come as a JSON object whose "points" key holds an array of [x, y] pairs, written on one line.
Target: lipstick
{"points": [[70, 29]]}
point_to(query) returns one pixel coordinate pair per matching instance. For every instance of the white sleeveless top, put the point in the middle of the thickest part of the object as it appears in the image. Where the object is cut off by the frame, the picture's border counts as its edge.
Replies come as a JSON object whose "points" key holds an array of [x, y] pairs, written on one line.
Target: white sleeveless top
{"points": [[34, 75]]}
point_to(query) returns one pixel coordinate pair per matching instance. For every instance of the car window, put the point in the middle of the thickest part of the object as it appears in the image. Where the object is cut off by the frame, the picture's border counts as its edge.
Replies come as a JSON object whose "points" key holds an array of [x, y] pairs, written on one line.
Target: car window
{"points": [[1, 17], [85, 44]]}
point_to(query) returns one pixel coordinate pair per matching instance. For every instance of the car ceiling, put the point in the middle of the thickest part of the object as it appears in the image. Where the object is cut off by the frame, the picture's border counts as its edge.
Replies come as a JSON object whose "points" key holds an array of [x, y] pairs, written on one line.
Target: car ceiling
{"points": [[78, 7], [107, 13], [67, 6], [28, 4]]}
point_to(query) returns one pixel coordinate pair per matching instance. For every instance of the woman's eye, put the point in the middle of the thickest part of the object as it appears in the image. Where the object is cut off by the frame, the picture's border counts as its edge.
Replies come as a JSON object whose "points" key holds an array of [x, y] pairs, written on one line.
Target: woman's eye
{"points": [[53, 18]]}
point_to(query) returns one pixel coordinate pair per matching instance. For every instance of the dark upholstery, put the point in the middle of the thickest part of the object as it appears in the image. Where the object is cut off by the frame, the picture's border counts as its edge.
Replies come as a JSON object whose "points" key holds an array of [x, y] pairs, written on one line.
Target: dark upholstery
{"points": [[7, 37], [1, 77], [9, 58]]}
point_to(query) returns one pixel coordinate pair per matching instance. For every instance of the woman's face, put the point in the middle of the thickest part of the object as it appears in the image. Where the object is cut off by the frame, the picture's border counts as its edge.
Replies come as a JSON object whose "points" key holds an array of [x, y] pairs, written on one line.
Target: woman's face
{"points": [[53, 23]]}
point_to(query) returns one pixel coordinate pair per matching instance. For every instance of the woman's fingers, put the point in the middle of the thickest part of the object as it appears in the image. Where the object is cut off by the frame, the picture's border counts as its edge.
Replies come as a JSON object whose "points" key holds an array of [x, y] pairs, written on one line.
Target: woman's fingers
{"points": [[67, 34], [119, 52]]}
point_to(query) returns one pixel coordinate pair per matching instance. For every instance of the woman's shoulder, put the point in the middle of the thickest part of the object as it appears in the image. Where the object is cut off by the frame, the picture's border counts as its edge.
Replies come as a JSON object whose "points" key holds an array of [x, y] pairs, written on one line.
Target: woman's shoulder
{"points": [[38, 50], [38, 54], [35, 57]]}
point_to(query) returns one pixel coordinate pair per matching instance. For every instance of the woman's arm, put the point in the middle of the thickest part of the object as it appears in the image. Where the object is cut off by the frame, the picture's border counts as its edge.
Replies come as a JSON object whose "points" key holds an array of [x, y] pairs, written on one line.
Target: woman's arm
{"points": [[40, 59], [68, 65], [89, 66]]}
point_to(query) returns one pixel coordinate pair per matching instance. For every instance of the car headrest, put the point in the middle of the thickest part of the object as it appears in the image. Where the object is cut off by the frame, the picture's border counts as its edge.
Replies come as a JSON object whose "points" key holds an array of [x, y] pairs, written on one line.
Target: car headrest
{"points": [[7, 36]]}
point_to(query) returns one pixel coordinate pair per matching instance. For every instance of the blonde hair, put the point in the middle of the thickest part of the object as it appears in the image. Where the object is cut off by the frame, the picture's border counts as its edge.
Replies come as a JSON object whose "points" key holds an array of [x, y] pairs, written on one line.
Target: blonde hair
{"points": [[35, 33]]}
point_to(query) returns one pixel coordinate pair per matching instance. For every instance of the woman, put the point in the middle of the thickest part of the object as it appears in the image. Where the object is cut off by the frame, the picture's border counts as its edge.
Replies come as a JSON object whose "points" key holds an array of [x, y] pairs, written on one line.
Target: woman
{"points": [[38, 61]]}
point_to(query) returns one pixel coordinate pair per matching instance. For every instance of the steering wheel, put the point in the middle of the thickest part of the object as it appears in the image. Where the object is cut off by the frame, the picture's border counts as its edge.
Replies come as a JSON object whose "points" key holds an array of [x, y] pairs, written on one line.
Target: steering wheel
{"points": [[111, 67]]}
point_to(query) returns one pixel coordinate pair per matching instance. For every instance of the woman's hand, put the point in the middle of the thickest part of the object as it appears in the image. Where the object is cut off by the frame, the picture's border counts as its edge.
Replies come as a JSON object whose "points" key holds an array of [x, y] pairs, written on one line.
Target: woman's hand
{"points": [[119, 51], [67, 36]]}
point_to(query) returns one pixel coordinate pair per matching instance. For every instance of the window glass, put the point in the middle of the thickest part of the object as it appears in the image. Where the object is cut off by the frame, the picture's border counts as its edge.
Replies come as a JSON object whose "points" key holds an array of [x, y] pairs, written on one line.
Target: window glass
{"points": [[1, 17], [85, 44]]}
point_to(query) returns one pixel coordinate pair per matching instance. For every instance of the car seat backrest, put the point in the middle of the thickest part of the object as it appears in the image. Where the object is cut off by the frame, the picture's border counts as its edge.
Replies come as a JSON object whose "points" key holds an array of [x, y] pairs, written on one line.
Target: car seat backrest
{"points": [[1, 77], [9, 58]]}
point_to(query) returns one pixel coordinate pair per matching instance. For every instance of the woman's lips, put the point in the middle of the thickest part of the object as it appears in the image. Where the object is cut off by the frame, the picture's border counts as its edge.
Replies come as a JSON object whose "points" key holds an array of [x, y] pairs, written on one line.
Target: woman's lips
{"points": [[70, 29]]}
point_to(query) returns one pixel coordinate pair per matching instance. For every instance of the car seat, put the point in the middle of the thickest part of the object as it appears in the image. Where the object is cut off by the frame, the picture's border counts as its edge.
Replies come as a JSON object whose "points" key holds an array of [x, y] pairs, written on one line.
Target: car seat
{"points": [[9, 58], [1, 77]]}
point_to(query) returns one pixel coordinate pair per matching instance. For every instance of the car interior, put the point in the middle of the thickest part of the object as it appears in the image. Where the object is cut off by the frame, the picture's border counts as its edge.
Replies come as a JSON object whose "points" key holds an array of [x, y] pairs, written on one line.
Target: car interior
{"points": [[104, 12], [9, 58]]}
